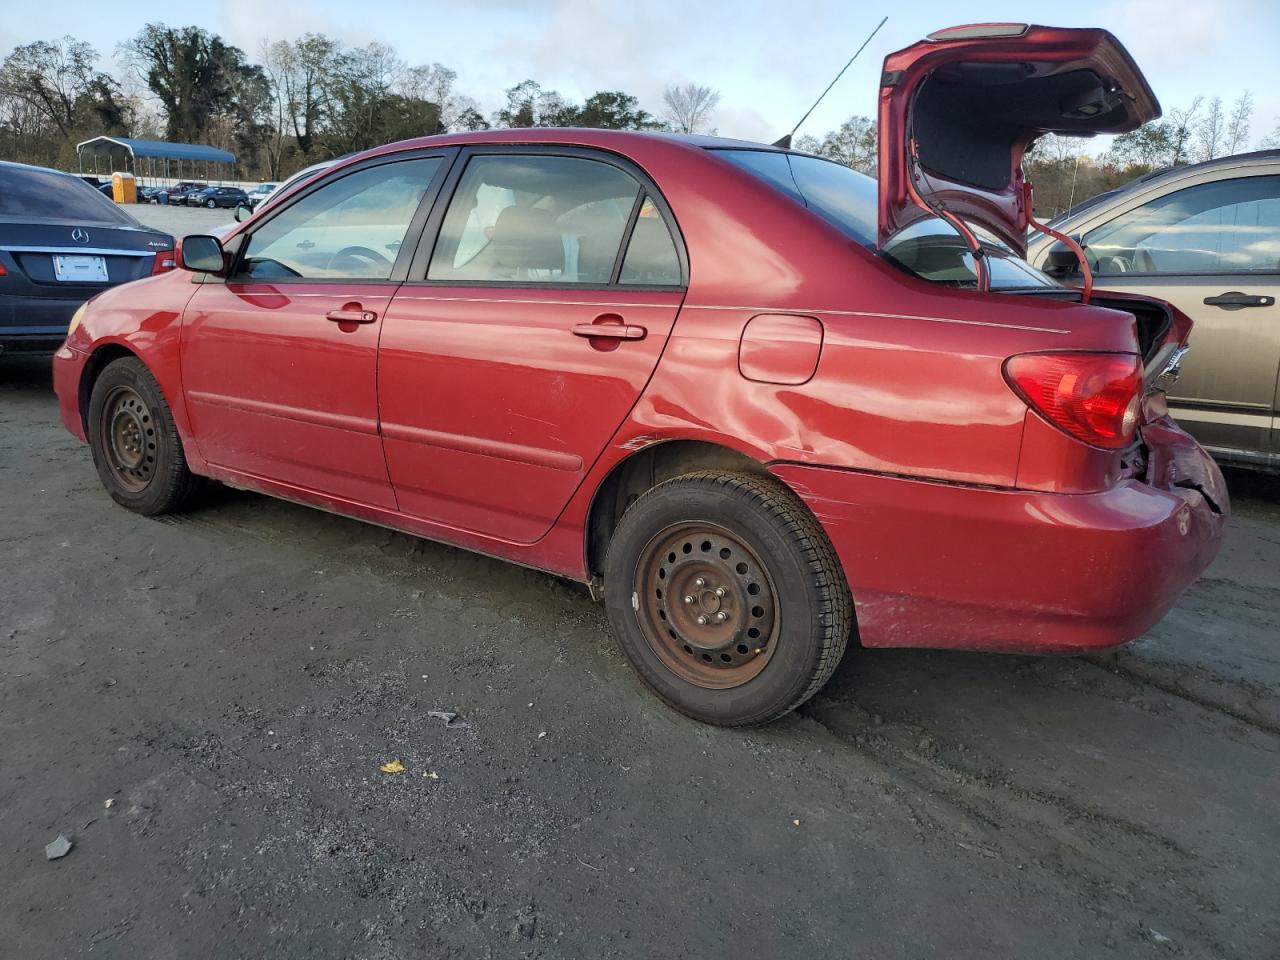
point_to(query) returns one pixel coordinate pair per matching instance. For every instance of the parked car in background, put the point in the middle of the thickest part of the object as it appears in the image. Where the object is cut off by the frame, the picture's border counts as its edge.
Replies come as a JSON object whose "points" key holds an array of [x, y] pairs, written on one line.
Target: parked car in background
{"points": [[756, 400], [259, 193], [151, 194], [179, 191], [61, 242], [212, 197], [245, 211], [1206, 238], [106, 189]]}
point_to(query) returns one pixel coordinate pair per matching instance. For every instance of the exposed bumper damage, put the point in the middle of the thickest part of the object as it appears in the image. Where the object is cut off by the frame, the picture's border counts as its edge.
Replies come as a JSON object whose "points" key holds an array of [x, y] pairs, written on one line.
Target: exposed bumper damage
{"points": [[951, 566]]}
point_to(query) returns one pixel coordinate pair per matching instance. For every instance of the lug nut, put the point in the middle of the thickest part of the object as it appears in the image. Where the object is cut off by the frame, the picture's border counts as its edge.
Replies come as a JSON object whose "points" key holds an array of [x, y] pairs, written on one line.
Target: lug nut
{"points": [[720, 591], [722, 616], [688, 599], [699, 582], [702, 620]]}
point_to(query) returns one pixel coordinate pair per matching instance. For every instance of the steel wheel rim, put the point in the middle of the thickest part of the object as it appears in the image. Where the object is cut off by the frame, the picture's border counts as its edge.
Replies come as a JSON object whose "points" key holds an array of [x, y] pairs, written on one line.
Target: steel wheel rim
{"points": [[706, 605], [127, 432]]}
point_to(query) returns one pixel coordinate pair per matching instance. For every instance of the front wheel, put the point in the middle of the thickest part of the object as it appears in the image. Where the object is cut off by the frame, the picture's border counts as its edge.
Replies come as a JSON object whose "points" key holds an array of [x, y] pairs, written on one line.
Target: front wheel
{"points": [[135, 444], [726, 597], [210, 204]]}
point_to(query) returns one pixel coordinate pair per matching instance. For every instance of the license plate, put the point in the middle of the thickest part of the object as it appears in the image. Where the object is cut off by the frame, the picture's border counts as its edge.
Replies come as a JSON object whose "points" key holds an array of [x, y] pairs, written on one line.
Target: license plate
{"points": [[77, 269]]}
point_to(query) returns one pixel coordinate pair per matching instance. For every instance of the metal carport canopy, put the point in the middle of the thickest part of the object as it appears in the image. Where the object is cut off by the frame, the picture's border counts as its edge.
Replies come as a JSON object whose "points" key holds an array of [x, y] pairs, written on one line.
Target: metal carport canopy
{"points": [[161, 149]]}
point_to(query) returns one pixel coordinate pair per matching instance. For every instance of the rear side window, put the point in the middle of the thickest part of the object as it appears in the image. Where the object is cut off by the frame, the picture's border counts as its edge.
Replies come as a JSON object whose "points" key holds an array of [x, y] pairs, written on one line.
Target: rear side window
{"points": [[30, 193], [651, 256], [1228, 226], [535, 219], [351, 228]]}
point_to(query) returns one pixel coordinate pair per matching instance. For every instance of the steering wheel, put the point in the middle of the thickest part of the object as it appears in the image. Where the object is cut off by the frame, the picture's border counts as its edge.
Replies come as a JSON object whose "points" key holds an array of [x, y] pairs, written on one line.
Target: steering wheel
{"points": [[360, 253]]}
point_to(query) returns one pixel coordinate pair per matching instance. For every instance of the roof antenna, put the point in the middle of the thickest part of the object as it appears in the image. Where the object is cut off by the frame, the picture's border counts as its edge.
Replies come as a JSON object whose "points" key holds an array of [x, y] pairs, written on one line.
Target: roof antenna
{"points": [[785, 141]]}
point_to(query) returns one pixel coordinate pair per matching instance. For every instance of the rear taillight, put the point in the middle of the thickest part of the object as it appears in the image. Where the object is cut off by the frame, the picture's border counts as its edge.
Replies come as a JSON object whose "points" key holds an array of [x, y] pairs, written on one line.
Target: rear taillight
{"points": [[165, 261], [1094, 397]]}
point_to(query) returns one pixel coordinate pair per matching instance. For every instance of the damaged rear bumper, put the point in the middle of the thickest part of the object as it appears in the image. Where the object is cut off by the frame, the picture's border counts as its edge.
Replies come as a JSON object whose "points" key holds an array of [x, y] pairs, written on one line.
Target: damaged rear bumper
{"points": [[950, 566]]}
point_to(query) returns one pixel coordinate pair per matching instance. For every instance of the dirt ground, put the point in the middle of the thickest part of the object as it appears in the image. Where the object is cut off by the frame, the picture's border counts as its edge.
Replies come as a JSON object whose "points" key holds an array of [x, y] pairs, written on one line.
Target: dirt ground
{"points": [[233, 678]]}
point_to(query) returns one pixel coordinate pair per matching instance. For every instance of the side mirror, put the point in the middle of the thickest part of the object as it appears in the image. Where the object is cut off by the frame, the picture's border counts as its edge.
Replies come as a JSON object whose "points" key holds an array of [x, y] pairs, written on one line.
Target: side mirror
{"points": [[243, 212], [202, 254], [1061, 260]]}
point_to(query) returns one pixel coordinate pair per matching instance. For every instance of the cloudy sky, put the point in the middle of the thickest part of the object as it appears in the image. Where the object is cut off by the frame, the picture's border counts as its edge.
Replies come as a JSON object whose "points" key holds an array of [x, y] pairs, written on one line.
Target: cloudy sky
{"points": [[768, 59]]}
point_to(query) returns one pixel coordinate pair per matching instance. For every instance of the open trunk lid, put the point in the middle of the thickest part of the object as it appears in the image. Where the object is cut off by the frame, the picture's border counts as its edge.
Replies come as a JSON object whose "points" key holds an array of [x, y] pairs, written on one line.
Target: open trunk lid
{"points": [[959, 109]]}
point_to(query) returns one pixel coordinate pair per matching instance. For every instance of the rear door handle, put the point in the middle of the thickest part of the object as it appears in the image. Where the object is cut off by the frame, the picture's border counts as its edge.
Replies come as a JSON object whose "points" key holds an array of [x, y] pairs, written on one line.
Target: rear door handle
{"points": [[1235, 300], [616, 331], [351, 316]]}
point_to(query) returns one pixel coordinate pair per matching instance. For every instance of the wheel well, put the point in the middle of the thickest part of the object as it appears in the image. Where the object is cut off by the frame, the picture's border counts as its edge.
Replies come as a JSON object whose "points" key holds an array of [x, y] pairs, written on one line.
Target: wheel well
{"points": [[642, 471], [97, 362]]}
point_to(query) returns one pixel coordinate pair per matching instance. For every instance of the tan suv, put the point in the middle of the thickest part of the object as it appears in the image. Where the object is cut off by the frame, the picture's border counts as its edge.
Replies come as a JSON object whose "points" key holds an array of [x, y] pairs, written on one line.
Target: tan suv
{"points": [[1207, 239]]}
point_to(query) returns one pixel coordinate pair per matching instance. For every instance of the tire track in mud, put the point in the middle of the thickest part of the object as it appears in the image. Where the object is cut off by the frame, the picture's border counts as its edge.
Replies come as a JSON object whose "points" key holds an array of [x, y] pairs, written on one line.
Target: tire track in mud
{"points": [[1079, 843], [1171, 679]]}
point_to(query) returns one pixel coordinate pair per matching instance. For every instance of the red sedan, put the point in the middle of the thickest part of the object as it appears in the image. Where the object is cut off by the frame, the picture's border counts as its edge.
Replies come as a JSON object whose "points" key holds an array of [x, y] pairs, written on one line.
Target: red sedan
{"points": [[759, 402]]}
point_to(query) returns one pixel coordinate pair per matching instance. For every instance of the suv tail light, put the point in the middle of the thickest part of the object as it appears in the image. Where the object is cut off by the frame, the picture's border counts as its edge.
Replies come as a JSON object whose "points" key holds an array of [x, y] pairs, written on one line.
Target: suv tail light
{"points": [[1094, 397], [165, 260]]}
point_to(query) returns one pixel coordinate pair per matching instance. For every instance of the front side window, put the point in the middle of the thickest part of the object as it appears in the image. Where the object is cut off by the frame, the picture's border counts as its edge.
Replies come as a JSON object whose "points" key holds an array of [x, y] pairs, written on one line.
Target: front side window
{"points": [[534, 219], [1229, 226], [351, 228]]}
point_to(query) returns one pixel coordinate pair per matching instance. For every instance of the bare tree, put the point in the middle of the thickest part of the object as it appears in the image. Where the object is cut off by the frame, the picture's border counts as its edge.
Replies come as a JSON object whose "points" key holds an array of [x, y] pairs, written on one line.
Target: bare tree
{"points": [[690, 106], [277, 59], [1210, 131], [1181, 125], [1238, 125]]}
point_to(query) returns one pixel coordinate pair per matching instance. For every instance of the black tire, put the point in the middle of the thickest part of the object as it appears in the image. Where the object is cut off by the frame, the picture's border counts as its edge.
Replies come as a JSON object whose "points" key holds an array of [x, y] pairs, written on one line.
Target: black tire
{"points": [[760, 535], [135, 444]]}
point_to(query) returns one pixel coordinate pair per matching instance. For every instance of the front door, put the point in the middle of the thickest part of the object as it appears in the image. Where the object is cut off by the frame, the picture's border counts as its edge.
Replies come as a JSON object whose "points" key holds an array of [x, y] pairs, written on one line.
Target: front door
{"points": [[507, 367], [280, 361], [1213, 251]]}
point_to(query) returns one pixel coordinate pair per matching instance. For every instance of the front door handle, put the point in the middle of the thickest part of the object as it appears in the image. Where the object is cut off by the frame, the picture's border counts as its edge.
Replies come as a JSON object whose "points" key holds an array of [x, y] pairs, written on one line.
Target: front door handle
{"points": [[615, 331], [351, 314], [1235, 300]]}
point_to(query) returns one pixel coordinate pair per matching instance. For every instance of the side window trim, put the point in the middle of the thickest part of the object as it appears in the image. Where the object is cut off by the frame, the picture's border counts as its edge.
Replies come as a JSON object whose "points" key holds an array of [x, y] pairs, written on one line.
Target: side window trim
{"points": [[413, 232], [627, 231], [417, 268]]}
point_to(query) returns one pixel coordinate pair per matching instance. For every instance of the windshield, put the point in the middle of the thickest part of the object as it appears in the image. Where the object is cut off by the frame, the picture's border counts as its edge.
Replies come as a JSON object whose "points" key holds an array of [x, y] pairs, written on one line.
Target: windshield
{"points": [[32, 193], [930, 249]]}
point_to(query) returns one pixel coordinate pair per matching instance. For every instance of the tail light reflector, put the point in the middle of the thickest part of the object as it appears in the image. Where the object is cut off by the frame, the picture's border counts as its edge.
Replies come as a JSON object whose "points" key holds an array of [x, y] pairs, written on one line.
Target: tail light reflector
{"points": [[1094, 397], [165, 260]]}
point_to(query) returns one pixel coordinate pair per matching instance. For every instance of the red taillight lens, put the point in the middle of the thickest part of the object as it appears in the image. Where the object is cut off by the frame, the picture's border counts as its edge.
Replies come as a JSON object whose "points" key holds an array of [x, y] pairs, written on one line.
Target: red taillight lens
{"points": [[165, 261], [1094, 397]]}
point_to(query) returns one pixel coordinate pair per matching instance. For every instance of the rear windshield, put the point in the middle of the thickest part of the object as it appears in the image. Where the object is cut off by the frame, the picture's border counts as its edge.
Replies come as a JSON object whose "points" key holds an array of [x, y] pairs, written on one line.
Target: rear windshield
{"points": [[930, 249], [30, 193]]}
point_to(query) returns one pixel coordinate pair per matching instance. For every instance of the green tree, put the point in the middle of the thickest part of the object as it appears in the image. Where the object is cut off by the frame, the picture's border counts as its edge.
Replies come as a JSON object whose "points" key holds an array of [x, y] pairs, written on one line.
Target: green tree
{"points": [[611, 110], [194, 74]]}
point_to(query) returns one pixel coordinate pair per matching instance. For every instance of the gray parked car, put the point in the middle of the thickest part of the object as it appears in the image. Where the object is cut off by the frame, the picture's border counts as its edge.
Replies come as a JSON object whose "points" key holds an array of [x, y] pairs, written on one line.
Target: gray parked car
{"points": [[1207, 239]]}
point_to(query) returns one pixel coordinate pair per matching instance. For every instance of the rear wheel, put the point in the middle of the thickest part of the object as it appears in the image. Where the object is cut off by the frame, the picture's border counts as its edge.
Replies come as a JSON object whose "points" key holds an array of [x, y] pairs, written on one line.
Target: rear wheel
{"points": [[727, 597], [136, 447]]}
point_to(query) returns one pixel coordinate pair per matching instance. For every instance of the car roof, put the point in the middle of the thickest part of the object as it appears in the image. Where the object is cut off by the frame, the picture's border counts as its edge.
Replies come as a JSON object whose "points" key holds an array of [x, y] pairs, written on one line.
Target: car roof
{"points": [[1167, 174], [576, 136], [32, 166]]}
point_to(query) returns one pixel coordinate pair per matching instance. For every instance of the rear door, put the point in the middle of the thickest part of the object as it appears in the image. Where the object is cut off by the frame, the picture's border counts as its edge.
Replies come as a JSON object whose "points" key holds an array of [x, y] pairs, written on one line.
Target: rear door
{"points": [[1212, 249], [524, 335], [279, 361]]}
